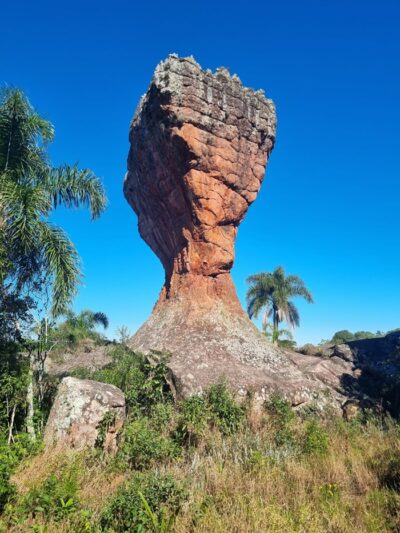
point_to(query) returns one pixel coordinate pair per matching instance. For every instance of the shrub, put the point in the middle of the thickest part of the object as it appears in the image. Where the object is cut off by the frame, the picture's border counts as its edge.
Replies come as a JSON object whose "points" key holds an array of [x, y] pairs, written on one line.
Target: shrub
{"points": [[160, 415], [55, 498], [10, 456], [282, 416], [193, 419], [316, 440], [226, 414], [129, 508], [280, 409], [143, 383], [386, 466], [142, 445]]}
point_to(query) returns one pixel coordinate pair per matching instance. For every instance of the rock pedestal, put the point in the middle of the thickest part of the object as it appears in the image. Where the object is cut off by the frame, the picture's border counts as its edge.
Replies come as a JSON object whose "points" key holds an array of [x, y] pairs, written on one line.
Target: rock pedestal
{"points": [[200, 142]]}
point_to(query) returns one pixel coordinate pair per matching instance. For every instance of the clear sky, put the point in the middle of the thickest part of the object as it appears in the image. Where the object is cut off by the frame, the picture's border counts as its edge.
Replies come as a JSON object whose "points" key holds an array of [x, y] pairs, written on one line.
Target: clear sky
{"points": [[329, 206]]}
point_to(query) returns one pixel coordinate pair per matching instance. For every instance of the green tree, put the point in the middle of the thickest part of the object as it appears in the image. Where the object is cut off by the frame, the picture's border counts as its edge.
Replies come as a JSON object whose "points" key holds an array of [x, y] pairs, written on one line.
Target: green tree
{"points": [[284, 337], [80, 326], [272, 292], [32, 248]]}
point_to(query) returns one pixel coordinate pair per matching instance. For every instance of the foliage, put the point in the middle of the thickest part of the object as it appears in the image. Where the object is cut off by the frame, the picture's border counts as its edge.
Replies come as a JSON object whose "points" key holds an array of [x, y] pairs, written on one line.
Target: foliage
{"points": [[144, 504], [78, 327], [123, 334], [226, 414], [386, 465], [194, 415], [31, 248], [143, 383], [54, 498], [282, 417], [11, 454], [344, 335], [272, 291], [316, 440], [283, 337], [142, 445]]}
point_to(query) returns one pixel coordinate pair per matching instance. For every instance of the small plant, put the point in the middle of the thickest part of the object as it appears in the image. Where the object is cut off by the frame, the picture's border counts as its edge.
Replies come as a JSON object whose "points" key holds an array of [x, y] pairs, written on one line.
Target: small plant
{"points": [[193, 419], [149, 502], [386, 465], [142, 445], [55, 498], [316, 440], [280, 409], [282, 416], [106, 423], [226, 414], [330, 492]]}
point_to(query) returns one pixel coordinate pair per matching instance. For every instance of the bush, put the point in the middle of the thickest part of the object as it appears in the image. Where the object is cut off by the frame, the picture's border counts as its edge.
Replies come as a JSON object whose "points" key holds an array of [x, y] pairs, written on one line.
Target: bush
{"points": [[142, 445], [226, 414], [128, 511], [316, 440], [280, 409], [10, 456], [193, 419], [143, 383], [54, 499], [386, 465], [282, 416]]}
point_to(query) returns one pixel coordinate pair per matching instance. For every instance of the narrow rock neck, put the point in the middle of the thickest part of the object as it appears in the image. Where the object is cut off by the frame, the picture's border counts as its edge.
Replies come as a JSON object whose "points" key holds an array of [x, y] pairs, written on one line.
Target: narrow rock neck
{"points": [[198, 293]]}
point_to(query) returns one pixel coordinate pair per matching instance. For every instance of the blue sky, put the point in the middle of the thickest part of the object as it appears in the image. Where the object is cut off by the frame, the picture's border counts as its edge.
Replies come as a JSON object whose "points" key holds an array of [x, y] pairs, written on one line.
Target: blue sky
{"points": [[329, 206]]}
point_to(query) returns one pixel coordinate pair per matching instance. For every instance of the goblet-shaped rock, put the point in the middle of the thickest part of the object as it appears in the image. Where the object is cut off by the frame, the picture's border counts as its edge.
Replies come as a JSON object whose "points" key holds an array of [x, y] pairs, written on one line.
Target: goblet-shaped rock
{"points": [[200, 142]]}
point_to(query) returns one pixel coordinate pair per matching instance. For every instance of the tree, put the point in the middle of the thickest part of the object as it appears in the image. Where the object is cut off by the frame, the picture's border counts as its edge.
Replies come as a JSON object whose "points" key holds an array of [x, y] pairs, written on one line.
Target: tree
{"points": [[272, 291], [283, 337], [80, 326], [34, 253], [31, 248]]}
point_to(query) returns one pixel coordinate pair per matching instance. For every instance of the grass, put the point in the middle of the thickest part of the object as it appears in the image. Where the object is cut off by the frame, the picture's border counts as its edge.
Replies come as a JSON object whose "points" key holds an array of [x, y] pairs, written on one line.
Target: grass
{"points": [[210, 465], [247, 480]]}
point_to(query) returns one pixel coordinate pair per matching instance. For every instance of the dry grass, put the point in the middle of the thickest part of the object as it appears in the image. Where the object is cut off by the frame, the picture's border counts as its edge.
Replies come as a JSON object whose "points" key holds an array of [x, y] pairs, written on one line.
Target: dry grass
{"points": [[244, 483]]}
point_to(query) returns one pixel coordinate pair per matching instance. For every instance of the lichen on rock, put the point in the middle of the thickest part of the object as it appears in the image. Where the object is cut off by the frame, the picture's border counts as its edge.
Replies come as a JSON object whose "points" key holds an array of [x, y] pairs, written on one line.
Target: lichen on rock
{"points": [[79, 412]]}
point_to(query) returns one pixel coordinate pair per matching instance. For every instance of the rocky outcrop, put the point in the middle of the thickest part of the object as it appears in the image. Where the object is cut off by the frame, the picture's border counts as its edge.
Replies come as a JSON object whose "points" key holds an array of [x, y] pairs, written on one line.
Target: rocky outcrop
{"points": [[376, 368], [200, 142], [85, 413]]}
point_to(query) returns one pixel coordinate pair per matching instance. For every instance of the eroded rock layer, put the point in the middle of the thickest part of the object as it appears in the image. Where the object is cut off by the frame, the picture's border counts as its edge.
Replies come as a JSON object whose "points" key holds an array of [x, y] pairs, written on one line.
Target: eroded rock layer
{"points": [[200, 142], [199, 146]]}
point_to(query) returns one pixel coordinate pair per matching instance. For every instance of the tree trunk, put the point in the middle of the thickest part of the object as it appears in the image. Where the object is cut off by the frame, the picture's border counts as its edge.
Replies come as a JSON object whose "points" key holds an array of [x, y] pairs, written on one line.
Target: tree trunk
{"points": [[30, 428], [275, 332], [11, 425]]}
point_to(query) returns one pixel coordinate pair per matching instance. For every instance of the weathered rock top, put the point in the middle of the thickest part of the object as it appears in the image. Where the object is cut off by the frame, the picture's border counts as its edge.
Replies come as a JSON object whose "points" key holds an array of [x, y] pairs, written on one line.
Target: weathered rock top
{"points": [[199, 145]]}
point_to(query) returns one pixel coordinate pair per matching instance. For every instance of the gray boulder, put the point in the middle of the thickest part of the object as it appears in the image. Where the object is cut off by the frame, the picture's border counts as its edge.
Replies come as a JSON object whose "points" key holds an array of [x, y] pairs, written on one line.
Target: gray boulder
{"points": [[84, 413]]}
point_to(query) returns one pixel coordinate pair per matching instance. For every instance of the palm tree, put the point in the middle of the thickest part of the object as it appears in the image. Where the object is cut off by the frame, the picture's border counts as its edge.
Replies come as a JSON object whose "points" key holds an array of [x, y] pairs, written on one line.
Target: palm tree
{"points": [[81, 326], [31, 247], [272, 291]]}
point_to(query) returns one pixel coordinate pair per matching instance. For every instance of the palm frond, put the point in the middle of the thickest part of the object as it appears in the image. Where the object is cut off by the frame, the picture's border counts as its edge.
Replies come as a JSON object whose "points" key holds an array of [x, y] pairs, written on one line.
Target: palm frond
{"points": [[72, 187], [62, 263]]}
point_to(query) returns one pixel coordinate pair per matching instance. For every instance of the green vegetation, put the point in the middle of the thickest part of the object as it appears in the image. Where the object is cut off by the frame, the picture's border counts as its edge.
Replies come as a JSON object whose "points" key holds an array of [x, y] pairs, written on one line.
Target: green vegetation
{"points": [[344, 335], [272, 291], [209, 464], [203, 464], [34, 252], [79, 327]]}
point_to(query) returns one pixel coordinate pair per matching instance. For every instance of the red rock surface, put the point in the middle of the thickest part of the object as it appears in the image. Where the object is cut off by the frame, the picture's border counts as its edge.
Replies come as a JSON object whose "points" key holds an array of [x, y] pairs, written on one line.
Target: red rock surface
{"points": [[200, 142]]}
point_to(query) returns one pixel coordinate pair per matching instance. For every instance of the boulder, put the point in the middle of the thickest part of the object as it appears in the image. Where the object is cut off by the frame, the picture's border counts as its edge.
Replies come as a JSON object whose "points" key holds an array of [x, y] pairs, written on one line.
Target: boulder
{"points": [[85, 413]]}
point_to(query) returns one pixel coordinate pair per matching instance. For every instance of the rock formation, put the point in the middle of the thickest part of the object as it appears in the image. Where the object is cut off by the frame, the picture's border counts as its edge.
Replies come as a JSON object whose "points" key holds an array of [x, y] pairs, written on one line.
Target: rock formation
{"points": [[200, 142], [80, 409]]}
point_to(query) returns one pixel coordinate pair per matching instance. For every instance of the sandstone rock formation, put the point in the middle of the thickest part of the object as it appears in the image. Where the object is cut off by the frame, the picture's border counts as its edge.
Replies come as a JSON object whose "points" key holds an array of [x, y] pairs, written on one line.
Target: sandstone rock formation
{"points": [[200, 142], [81, 411]]}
